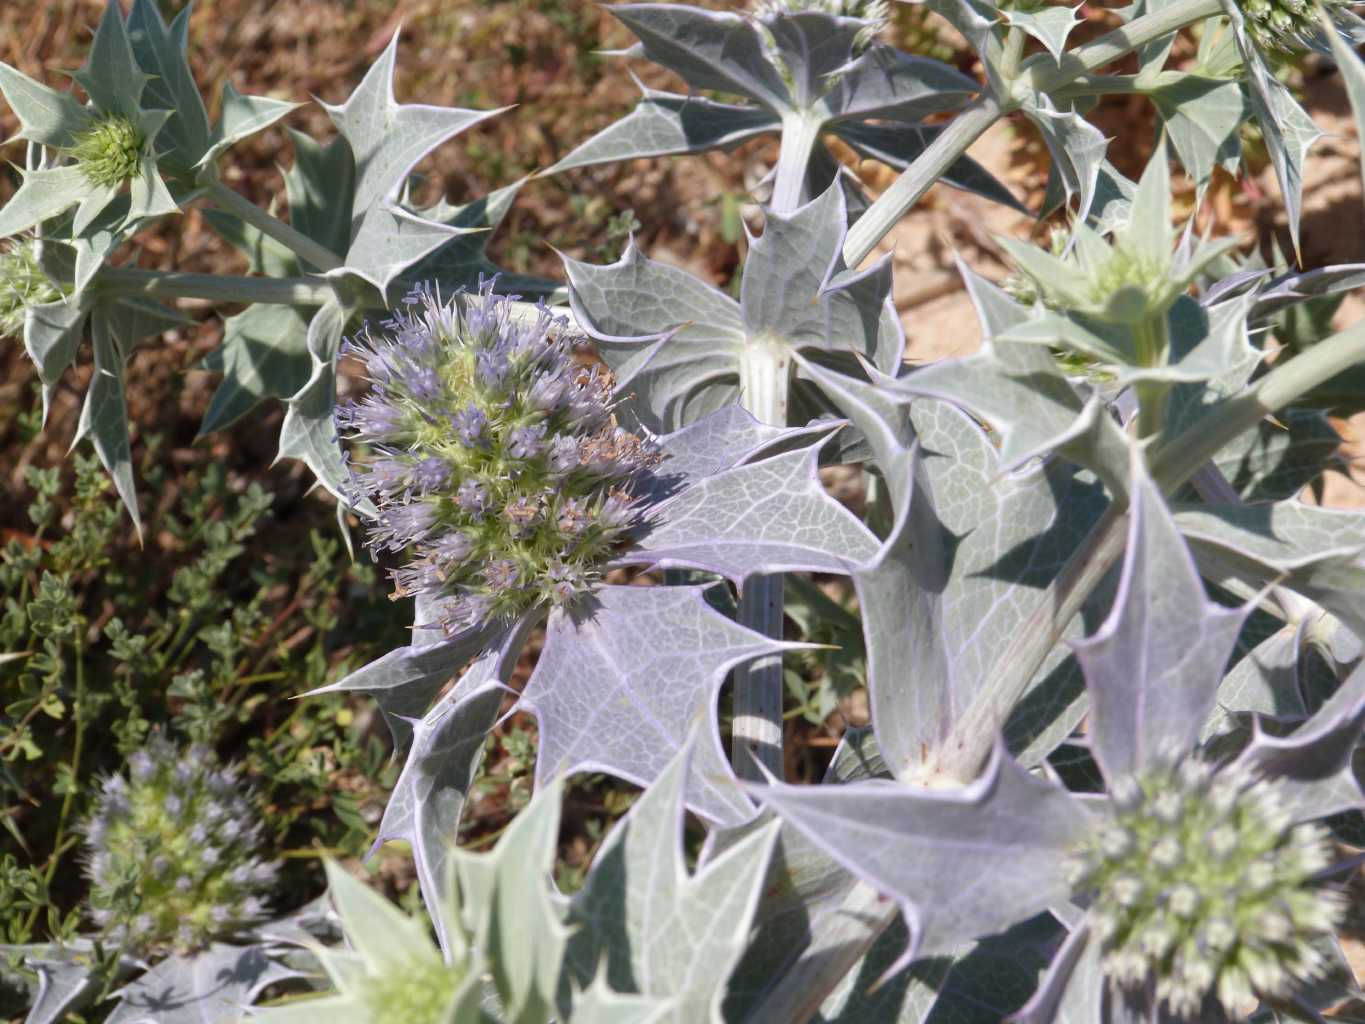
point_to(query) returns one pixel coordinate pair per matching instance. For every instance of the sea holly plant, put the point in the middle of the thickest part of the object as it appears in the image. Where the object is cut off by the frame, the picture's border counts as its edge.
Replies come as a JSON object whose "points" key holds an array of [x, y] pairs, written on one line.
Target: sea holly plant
{"points": [[1111, 659]]}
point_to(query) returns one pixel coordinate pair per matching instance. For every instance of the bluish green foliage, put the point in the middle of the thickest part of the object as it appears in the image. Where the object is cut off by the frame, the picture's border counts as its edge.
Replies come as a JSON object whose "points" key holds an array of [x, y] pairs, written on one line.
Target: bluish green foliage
{"points": [[1112, 663]]}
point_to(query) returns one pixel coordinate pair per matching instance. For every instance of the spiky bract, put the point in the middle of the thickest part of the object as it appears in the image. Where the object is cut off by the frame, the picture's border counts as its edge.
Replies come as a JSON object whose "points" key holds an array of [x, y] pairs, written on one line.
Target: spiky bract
{"points": [[22, 284], [875, 12], [170, 852], [494, 456], [109, 151], [1201, 886]]}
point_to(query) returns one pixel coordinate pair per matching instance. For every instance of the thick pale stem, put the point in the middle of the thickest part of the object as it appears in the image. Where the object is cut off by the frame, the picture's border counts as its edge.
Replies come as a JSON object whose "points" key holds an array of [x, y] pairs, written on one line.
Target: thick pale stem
{"points": [[1152, 342], [304, 247], [799, 136], [162, 284], [1041, 76], [765, 377]]}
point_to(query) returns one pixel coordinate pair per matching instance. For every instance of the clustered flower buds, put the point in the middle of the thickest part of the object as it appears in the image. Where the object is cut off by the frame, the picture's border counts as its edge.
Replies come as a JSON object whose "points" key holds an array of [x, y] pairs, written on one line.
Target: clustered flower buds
{"points": [[1285, 26], [170, 851], [420, 992], [109, 151], [875, 12], [1201, 885], [22, 284], [493, 455]]}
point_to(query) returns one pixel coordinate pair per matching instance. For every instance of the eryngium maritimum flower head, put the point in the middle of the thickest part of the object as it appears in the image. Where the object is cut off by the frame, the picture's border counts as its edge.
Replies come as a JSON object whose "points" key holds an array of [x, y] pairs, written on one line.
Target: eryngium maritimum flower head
{"points": [[109, 151], [1201, 884], [22, 284], [493, 456], [171, 851]]}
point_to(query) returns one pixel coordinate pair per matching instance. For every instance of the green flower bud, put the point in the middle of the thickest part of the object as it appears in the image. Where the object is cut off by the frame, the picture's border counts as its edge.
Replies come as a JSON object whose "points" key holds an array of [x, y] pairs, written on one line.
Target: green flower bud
{"points": [[170, 852], [1285, 26], [22, 284], [109, 152], [420, 993], [1212, 893]]}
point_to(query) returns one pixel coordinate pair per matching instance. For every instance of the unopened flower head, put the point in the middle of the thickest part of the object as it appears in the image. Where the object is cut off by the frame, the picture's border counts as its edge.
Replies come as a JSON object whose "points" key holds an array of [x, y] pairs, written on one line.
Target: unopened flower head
{"points": [[1201, 886], [170, 851], [493, 456], [875, 12], [1286, 26], [420, 993], [109, 151], [22, 284]]}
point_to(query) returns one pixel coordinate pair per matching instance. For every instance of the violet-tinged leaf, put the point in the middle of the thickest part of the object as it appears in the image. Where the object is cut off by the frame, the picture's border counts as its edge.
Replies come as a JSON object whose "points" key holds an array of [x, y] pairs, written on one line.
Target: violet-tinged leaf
{"points": [[1266, 681], [1316, 551], [405, 681], [961, 863], [768, 516], [709, 49], [618, 688], [1152, 668], [1314, 761], [728, 437], [663, 932], [668, 124], [210, 987], [447, 747]]}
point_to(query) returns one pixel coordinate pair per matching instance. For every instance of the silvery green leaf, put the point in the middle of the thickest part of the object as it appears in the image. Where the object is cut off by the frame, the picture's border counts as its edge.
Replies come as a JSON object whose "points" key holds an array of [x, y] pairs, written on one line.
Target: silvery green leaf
{"points": [[45, 193], [52, 336], [812, 45], [1266, 681], [677, 344], [104, 415], [989, 853], [308, 432], [768, 516], [664, 333], [1203, 117], [1314, 761], [1288, 131], [662, 932], [1353, 74], [1152, 669], [900, 145], [110, 75], [45, 115], [213, 986], [241, 117], [1113, 204], [1318, 552], [1049, 25], [884, 83], [513, 919], [1078, 149], [405, 681], [160, 52], [709, 49], [447, 748], [148, 196], [728, 437], [618, 688], [320, 187], [665, 124], [67, 982], [387, 140], [1020, 391], [264, 354], [599, 1004], [1277, 460]]}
